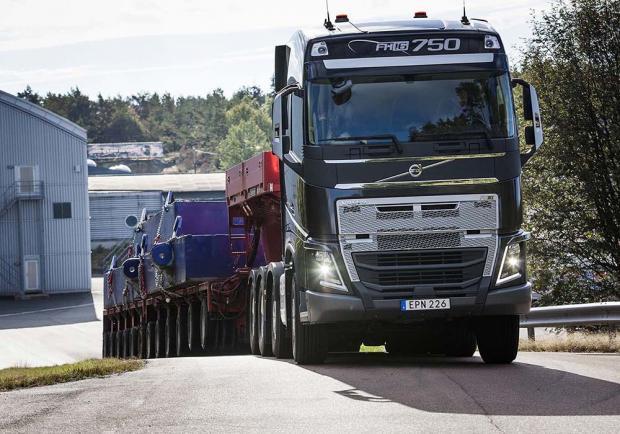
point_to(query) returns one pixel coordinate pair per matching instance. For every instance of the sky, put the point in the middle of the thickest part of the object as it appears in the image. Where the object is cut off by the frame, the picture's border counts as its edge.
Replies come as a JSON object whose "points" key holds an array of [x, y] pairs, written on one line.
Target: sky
{"points": [[190, 47]]}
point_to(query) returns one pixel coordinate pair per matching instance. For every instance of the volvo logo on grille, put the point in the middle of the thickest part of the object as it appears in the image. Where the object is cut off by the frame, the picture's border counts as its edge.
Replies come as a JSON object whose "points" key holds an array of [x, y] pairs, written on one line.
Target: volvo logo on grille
{"points": [[415, 170]]}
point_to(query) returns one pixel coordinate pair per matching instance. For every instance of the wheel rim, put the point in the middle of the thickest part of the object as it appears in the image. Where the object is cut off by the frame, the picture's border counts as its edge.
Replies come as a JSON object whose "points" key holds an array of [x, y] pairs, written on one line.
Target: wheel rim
{"points": [[253, 316], [203, 324], [274, 320]]}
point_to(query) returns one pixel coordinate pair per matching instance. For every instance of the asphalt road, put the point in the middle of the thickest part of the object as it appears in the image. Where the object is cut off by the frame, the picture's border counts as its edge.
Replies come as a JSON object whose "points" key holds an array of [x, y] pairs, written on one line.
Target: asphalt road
{"points": [[550, 392], [51, 330]]}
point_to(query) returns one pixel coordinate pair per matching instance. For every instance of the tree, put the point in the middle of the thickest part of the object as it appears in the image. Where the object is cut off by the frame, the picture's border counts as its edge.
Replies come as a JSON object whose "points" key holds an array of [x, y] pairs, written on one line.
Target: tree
{"points": [[572, 189], [29, 95], [248, 132]]}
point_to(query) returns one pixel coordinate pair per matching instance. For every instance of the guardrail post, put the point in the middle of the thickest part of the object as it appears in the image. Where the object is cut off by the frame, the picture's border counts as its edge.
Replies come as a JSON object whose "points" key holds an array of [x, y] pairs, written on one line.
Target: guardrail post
{"points": [[531, 334]]}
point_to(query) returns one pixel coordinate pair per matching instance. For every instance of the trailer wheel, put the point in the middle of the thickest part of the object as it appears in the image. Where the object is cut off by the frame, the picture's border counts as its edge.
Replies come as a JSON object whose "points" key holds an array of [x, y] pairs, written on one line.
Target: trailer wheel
{"points": [[150, 340], [141, 350], [104, 345], [204, 324], [181, 330], [113, 352], [160, 335], [253, 318], [170, 333], [133, 341], [498, 338], [264, 322], [193, 328], [309, 342], [280, 344]]}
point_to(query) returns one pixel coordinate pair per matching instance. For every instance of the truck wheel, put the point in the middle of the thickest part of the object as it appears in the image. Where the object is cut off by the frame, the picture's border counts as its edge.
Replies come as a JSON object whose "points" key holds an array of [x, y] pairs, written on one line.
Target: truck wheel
{"points": [[280, 345], [253, 319], [309, 342], [150, 340], [264, 323], [170, 333], [193, 328], [181, 330], [498, 338], [204, 324], [118, 344]]}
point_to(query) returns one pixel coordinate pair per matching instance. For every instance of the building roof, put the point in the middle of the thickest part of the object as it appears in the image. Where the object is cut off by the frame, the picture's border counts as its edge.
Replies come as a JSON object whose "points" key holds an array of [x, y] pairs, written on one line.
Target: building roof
{"points": [[173, 182], [43, 114], [411, 24]]}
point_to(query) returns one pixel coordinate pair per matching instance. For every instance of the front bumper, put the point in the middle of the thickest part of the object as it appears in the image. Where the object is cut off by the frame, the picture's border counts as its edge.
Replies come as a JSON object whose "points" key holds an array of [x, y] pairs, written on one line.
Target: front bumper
{"points": [[326, 308]]}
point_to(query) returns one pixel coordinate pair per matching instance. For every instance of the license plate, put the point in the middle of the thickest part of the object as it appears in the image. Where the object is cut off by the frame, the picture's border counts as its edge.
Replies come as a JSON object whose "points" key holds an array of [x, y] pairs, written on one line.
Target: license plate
{"points": [[427, 304]]}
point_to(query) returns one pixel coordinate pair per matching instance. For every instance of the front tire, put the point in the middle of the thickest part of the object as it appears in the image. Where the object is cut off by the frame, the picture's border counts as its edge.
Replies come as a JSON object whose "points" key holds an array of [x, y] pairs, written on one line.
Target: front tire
{"points": [[170, 333], [498, 338], [150, 340], [204, 324], [309, 342]]}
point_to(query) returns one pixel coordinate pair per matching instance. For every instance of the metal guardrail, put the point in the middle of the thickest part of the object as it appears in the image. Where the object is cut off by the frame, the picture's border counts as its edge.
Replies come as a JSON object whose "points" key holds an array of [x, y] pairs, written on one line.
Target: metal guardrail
{"points": [[605, 313]]}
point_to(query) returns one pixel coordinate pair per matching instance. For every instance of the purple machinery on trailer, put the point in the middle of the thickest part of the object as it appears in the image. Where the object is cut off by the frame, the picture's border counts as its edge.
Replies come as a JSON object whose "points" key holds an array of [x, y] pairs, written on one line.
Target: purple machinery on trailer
{"points": [[184, 243]]}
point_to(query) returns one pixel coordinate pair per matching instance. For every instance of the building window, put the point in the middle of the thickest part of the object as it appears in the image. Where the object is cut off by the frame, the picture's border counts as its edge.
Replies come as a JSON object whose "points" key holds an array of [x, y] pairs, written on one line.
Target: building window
{"points": [[62, 210]]}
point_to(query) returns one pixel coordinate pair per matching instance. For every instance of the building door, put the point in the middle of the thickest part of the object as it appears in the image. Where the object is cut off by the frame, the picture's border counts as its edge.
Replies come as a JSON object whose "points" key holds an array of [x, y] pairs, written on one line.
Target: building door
{"points": [[31, 274], [26, 178]]}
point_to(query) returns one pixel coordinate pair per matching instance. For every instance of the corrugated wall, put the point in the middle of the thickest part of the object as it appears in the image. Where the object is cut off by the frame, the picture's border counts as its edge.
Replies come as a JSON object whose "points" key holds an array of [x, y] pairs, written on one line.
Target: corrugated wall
{"points": [[63, 245], [108, 211]]}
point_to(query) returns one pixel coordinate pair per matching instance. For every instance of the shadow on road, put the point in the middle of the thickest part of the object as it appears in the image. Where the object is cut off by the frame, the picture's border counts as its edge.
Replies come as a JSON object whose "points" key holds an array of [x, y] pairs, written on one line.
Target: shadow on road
{"points": [[467, 386], [53, 310]]}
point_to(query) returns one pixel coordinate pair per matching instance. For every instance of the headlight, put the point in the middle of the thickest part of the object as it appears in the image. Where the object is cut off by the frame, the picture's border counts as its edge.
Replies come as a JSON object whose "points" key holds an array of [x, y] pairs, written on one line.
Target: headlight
{"points": [[329, 275], [512, 264]]}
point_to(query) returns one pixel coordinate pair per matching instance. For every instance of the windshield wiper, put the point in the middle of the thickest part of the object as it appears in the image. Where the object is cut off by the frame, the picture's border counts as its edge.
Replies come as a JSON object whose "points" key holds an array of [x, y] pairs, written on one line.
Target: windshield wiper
{"points": [[364, 140]]}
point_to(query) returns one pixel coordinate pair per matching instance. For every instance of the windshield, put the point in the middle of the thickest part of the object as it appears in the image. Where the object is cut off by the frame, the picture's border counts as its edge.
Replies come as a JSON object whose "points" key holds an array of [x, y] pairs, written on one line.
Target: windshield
{"points": [[410, 108]]}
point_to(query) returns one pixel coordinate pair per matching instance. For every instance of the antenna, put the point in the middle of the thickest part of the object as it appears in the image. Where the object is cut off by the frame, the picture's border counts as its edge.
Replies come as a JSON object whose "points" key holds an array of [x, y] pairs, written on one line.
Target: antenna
{"points": [[464, 19], [328, 22]]}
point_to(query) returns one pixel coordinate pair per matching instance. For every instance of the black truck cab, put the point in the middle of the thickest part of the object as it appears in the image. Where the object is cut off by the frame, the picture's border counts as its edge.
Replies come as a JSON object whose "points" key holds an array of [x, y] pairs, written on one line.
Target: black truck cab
{"points": [[400, 168]]}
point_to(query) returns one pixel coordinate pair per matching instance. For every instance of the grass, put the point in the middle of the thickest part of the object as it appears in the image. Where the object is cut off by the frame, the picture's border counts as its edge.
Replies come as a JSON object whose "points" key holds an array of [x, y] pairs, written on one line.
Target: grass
{"points": [[20, 377], [574, 343]]}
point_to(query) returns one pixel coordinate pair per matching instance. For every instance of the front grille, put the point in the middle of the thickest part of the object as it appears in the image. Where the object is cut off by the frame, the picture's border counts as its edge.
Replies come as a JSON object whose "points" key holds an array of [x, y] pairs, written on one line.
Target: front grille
{"points": [[443, 270], [418, 241]]}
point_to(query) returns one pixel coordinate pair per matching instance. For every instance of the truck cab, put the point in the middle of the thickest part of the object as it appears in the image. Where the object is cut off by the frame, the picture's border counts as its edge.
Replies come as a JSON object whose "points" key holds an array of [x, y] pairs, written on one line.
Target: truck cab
{"points": [[400, 174]]}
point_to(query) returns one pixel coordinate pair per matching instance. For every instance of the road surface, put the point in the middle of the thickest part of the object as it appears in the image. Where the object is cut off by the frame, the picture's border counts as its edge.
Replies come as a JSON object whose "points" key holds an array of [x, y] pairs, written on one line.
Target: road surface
{"points": [[541, 392], [51, 330]]}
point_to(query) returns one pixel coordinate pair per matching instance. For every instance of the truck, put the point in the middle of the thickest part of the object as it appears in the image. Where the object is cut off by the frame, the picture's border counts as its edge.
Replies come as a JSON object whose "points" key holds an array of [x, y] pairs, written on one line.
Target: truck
{"points": [[388, 211]]}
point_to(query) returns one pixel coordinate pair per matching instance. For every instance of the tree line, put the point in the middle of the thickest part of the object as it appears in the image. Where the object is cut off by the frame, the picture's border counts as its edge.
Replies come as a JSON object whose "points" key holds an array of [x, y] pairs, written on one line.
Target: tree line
{"points": [[213, 131], [571, 190]]}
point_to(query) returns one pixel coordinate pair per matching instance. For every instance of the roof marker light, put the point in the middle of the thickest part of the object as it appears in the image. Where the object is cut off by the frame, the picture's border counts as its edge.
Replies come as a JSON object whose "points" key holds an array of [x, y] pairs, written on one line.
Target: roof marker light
{"points": [[420, 14], [491, 42], [319, 49], [342, 18]]}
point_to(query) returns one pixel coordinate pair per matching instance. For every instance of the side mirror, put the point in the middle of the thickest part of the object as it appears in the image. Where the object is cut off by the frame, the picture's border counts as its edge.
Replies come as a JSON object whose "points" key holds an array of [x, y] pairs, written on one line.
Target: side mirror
{"points": [[280, 140], [531, 112]]}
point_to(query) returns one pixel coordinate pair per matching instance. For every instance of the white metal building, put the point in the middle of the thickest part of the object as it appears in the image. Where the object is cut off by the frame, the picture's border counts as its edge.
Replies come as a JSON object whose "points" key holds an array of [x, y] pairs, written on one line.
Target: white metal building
{"points": [[116, 201], [44, 224]]}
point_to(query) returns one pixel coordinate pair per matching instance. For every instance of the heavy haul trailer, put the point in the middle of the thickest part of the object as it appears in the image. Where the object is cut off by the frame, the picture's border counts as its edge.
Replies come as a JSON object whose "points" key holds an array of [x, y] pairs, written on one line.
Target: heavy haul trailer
{"points": [[180, 291], [399, 193]]}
